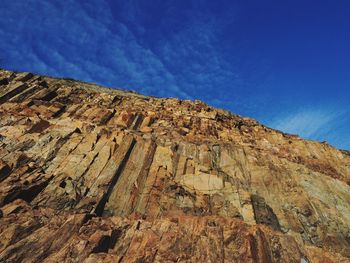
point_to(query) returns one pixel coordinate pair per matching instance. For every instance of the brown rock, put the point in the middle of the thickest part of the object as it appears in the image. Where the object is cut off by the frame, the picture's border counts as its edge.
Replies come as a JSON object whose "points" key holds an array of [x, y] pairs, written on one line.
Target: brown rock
{"points": [[89, 174], [146, 129]]}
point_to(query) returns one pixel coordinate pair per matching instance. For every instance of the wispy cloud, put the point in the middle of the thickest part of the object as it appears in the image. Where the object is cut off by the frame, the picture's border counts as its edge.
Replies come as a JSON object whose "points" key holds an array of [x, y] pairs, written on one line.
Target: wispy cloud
{"points": [[92, 41], [72, 43], [323, 123], [87, 40], [305, 122]]}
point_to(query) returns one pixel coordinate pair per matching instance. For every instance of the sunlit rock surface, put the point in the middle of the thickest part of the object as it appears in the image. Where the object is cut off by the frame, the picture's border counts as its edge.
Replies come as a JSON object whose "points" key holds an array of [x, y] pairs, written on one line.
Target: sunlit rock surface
{"points": [[89, 174]]}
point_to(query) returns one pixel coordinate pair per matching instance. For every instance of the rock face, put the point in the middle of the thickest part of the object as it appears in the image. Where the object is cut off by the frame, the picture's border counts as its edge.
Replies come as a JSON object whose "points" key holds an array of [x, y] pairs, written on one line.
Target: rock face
{"points": [[89, 174]]}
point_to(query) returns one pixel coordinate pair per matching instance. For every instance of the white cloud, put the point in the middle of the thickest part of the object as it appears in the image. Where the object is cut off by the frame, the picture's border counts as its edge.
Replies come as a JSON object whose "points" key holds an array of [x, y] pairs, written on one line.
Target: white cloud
{"points": [[87, 41], [304, 122], [74, 43], [321, 123]]}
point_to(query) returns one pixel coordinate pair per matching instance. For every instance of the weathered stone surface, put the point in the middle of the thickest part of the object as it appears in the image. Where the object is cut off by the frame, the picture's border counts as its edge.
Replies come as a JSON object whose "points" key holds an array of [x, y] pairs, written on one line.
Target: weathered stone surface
{"points": [[89, 174]]}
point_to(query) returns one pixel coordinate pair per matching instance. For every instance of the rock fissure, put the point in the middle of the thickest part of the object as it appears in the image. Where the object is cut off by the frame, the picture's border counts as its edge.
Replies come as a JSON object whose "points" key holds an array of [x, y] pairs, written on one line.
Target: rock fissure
{"points": [[101, 205]]}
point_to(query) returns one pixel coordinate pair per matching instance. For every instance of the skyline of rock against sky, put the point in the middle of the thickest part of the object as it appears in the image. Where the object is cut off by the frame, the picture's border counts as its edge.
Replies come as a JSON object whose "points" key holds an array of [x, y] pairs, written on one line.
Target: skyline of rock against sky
{"points": [[285, 64]]}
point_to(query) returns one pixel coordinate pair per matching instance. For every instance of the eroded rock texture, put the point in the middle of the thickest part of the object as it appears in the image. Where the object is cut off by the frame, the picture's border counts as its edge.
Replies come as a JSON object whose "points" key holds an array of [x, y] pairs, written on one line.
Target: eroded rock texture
{"points": [[89, 174]]}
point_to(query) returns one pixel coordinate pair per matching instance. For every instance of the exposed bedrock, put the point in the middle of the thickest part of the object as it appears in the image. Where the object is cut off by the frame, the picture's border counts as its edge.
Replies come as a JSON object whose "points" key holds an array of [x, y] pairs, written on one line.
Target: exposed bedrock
{"points": [[89, 174]]}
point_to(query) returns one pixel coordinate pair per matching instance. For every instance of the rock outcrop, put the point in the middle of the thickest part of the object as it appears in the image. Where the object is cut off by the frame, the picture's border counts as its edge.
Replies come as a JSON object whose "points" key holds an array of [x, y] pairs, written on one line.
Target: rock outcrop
{"points": [[89, 174]]}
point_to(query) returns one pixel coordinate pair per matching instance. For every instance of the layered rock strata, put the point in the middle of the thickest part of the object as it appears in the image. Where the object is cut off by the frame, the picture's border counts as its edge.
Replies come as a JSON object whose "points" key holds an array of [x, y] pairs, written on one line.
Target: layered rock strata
{"points": [[89, 174]]}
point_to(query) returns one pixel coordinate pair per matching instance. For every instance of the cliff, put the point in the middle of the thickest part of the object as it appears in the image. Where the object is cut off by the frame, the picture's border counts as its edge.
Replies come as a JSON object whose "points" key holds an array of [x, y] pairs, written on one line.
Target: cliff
{"points": [[90, 174]]}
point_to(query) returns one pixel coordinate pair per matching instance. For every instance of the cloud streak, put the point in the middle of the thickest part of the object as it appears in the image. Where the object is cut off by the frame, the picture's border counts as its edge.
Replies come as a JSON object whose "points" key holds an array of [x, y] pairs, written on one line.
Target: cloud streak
{"points": [[84, 48], [315, 123]]}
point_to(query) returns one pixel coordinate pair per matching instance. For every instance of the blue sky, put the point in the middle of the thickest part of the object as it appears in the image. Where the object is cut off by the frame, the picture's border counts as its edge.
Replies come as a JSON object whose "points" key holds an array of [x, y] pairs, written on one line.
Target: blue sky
{"points": [[284, 63]]}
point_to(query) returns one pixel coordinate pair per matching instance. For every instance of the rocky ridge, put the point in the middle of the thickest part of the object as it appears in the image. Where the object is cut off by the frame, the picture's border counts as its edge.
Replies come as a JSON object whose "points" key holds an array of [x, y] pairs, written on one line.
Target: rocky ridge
{"points": [[90, 174]]}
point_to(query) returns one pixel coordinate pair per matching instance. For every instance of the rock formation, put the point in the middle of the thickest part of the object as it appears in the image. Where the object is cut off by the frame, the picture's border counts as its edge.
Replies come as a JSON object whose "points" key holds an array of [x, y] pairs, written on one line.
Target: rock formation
{"points": [[90, 174]]}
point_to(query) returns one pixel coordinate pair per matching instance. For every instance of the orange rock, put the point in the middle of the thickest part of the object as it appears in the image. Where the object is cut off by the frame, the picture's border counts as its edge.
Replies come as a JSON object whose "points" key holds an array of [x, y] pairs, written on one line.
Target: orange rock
{"points": [[89, 174], [146, 129]]}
